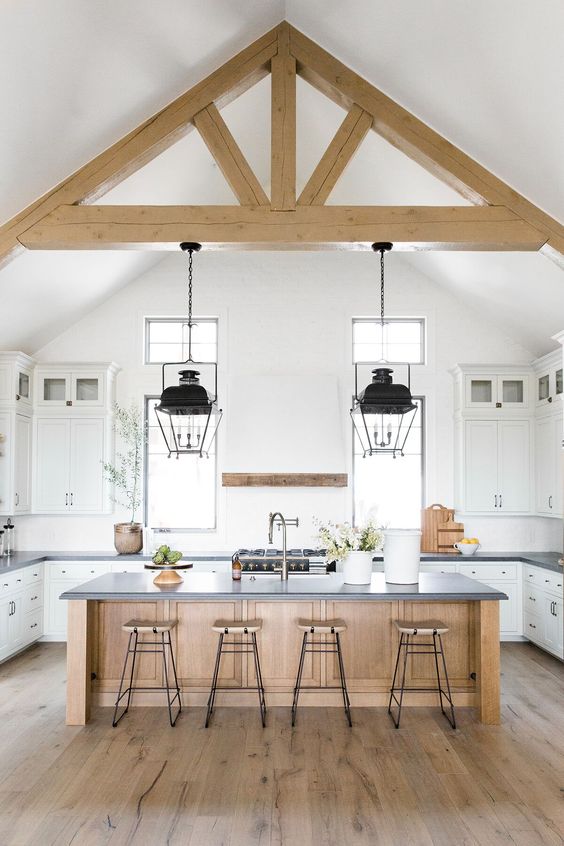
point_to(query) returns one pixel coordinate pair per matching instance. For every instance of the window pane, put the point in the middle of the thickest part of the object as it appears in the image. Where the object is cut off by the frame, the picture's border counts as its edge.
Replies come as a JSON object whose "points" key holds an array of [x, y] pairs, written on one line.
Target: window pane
{"points": [[167, 340], [403, 341], [391, 489], [164, 331], [180, 492], [159, 353]]}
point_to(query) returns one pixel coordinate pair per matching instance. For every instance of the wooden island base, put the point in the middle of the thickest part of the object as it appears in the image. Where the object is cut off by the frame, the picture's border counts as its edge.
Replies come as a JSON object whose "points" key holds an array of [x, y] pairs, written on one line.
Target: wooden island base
{"points": [[96, 650]]}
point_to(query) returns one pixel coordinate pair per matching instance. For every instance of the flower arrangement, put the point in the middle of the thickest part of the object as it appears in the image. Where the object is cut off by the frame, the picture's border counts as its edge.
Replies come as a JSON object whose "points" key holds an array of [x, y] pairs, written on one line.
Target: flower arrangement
{"points": [[341, 538]]}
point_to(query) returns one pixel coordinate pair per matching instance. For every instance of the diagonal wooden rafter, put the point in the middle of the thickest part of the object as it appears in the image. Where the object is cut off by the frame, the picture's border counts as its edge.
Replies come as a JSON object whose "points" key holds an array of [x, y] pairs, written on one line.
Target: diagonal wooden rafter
{"points": [[229, 157], [501, 218], [337, 156], [145, 142], [260, 227], [417, 140]]}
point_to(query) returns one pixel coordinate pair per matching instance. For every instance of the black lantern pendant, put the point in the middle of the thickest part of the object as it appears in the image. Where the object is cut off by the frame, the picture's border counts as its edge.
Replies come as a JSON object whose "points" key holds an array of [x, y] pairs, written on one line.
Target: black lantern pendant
{"points": [[383, 413], [187, 413]]}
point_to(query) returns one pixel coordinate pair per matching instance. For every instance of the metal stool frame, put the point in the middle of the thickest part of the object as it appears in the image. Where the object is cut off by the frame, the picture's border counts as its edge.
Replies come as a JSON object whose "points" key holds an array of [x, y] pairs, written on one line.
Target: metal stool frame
{"points": [[431, 650], [243, 647], [313, 647], [139, 648]]}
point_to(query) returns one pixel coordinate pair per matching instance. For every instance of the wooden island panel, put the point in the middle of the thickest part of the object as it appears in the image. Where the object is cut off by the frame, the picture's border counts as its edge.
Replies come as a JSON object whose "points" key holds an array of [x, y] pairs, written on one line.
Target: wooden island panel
{"points": [[110, 644], [195, 644]]}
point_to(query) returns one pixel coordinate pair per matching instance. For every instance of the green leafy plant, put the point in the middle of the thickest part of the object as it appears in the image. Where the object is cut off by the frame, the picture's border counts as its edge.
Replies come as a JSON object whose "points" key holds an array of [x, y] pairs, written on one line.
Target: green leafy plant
{"points": [[125, 474], [341, 538]]}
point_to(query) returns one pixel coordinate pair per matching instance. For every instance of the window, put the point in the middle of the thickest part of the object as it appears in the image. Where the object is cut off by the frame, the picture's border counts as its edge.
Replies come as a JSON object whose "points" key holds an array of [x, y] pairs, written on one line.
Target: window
{"points": [[391, 488], [403, 341], [180, 494], [166, 339]]}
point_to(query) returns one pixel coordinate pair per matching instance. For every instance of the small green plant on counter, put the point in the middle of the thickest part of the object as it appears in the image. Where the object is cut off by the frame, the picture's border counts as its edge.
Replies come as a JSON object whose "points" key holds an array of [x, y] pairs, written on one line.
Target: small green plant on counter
{"points": [[166, 555], [341, 538], [125, 474]]}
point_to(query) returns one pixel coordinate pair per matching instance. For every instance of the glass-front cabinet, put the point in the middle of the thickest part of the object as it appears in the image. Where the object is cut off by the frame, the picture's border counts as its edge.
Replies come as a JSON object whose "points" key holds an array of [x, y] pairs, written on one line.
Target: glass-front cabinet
{"points": [[70, 389], [549, 384], [509, 391]]}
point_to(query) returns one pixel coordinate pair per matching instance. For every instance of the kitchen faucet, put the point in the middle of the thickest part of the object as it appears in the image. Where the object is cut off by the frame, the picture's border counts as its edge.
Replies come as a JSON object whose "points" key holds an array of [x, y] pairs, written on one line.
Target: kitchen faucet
{"points": [[281, 521]]}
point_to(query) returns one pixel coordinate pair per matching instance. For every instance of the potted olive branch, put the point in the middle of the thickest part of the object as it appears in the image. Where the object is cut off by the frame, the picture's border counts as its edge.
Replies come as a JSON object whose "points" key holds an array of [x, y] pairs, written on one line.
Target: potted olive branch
{"points": [[125, 476]]}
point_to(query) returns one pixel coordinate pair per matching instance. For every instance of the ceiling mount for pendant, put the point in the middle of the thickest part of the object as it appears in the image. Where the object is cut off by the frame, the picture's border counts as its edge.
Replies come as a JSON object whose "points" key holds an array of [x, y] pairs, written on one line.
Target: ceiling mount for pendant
{"points": [[187, 413], [383, 413]]}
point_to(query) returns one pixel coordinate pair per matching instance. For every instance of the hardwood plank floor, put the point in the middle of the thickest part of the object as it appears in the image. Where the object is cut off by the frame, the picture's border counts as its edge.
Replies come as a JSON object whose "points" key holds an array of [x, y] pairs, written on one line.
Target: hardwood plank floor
{"points": [[319, 784]]}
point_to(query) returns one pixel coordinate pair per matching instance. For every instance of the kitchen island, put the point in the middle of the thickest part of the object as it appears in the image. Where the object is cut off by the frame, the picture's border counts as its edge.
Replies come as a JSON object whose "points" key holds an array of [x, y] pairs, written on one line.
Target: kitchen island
{"points": [[96, 643]]}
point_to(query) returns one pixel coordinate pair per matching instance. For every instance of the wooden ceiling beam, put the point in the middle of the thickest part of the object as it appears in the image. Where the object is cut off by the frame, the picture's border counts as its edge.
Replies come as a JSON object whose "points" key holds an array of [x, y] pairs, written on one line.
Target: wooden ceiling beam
{"points": [[229, 157], [417, 140], [259, 227], [337, 156], [283, 125], [145, 142]]}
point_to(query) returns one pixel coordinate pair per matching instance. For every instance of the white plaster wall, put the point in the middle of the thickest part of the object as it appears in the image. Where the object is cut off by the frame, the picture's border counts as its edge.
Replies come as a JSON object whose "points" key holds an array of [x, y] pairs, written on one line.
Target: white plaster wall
{"points": [[286, 381]]}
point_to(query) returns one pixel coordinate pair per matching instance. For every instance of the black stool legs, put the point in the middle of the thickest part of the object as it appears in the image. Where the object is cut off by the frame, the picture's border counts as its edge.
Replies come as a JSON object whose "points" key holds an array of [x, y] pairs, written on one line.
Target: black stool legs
{"points": [[411, 647], [312, 647], [139, 647], [237, 648]]}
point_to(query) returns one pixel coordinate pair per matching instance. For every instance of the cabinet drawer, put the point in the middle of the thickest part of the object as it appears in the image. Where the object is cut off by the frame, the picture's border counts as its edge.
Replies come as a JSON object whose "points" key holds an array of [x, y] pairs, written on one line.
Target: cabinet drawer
{"points": [[33, 597], [33, 625], [9, 582], [132, 567], [438, 568], [533, 628], [533, 599], [33, 574], [546, 579], [499, 571], [74, 570]]}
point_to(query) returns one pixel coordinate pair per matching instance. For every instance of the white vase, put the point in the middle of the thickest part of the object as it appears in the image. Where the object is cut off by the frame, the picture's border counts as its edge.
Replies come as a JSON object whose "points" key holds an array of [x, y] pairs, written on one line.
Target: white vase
{"points": [[357, 568]]}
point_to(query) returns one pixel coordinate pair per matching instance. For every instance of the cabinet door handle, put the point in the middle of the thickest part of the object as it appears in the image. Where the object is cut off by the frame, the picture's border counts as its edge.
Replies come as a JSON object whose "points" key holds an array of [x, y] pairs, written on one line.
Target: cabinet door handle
{"points": [[495, 505], [33, 597], [532, 625], [72, 495], [550, 501], [552, 608], [500, 500], [17, 499], [33, 625], [66, 499], [546, 581], [532, 598]]}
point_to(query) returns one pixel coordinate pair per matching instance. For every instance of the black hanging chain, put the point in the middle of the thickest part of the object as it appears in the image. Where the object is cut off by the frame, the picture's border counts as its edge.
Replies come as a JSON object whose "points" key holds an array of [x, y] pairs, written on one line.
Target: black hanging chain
{"points": [[190, 254], [382, 291]]}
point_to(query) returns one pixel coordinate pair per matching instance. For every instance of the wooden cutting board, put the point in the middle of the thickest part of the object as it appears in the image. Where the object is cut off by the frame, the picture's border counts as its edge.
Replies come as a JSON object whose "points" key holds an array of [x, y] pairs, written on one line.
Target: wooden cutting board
{"points": [[439, 529]]}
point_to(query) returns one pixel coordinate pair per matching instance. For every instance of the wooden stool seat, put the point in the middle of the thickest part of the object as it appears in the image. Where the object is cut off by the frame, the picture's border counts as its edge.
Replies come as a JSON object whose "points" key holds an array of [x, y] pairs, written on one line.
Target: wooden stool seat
{"points": [[146, 626], [322, 626], [234, 627], [429, 627]]}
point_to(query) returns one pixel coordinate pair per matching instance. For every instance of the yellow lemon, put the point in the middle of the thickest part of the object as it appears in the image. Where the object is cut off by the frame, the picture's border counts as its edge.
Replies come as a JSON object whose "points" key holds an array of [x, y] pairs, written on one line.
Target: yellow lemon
{"points": [[465, 540], [474, 540]]}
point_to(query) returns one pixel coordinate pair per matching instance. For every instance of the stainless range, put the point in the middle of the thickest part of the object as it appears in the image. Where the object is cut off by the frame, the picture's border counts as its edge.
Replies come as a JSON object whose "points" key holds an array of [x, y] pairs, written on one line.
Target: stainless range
{"points": [[270, 560]]}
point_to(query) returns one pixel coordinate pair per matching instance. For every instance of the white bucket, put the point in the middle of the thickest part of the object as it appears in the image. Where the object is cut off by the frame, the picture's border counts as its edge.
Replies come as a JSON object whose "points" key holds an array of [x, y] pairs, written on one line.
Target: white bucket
{"points": [[402, 552], [357, 568]]}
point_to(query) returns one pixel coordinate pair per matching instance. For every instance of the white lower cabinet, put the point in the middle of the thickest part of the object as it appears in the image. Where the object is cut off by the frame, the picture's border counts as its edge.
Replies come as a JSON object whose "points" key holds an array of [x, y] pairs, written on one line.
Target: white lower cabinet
{"points": [[543, 619], [61, 576], [506, 577], [21, 610]]}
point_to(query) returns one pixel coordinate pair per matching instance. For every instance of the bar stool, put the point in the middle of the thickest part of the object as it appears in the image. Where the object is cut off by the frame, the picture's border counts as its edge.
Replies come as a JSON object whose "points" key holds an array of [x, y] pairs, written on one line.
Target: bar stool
{"points": [[228, 627], [325, 627], [432, 628], [141, 627]]}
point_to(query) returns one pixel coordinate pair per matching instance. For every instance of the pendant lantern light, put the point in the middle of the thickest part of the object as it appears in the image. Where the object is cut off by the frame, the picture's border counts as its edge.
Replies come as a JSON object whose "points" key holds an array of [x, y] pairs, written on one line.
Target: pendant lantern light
{"points": [[383, 413], [187, 413]]}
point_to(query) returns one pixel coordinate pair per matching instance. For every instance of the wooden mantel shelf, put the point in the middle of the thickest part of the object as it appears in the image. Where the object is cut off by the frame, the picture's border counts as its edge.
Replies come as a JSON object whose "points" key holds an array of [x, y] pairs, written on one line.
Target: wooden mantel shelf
{"points": [[284, 480]]}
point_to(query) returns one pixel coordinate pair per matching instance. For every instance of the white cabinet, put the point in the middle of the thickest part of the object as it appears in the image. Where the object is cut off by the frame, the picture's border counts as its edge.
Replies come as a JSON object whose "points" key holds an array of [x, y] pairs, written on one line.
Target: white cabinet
{"points": [[548, 465], [543, 609], [74, 387], [499, 388], [15, 463], [60, 577], [69, 453], [496, 467], [506, 577], [16, 379], [21, 610]]}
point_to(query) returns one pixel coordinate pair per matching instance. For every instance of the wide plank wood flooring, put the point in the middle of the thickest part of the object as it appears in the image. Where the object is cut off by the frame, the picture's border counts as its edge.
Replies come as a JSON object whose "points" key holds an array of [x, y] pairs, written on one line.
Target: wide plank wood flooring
{"points": [[319, 784]]}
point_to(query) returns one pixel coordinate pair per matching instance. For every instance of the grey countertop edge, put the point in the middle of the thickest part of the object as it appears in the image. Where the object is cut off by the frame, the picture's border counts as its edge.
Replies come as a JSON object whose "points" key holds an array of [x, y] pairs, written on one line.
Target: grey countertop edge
{"points": [[448, 587], [19, 560]]}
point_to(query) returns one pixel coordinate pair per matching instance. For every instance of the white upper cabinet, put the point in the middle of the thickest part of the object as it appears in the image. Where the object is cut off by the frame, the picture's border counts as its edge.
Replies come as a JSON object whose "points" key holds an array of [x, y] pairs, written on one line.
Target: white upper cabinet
{"points": [[16, 380], [548, 381], [496, 467], [74, 387], [497, 388]]}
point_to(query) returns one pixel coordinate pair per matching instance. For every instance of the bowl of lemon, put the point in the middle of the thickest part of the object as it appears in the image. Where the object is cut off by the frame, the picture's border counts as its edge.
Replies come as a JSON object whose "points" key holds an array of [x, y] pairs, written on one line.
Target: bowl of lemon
{"points": [[467, 546]]}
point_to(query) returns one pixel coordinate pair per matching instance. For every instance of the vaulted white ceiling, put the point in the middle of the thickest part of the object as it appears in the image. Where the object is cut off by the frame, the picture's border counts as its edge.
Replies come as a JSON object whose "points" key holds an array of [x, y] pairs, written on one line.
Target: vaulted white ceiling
{"points": [[76, 76]]}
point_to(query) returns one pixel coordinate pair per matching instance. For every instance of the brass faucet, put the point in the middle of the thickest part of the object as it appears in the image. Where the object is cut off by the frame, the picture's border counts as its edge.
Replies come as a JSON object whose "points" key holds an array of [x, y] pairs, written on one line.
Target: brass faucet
{"points": [[281, 521]]}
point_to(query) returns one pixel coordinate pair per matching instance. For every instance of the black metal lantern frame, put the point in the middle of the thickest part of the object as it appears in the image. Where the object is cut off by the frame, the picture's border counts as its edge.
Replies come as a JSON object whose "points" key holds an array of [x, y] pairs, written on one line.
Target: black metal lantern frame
{"points": [[187, 413], [383, 418], [383, 406]]}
